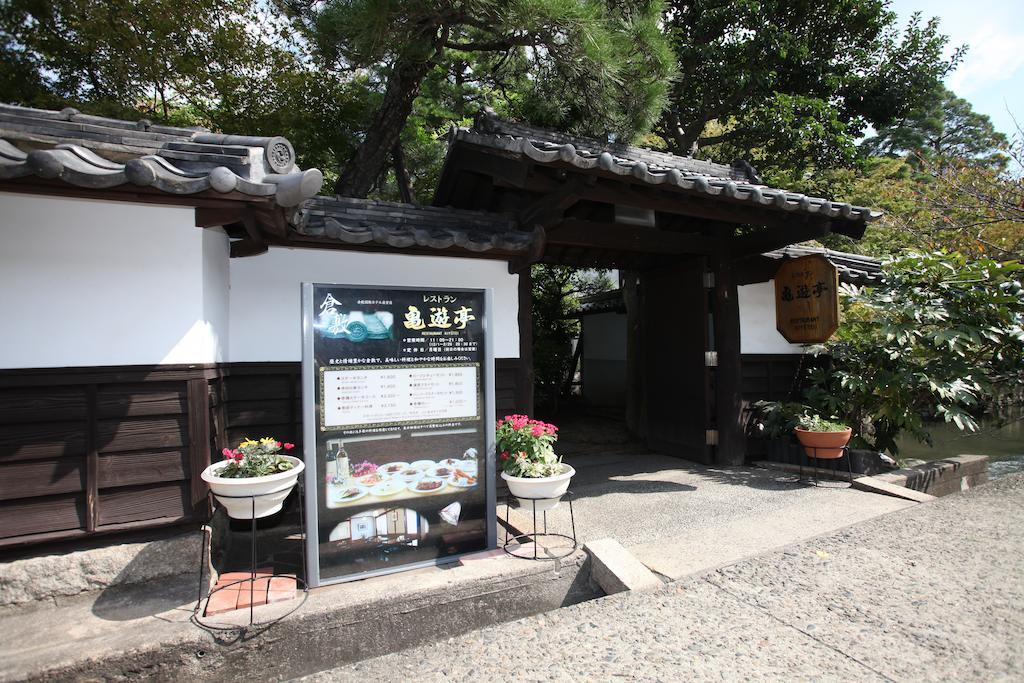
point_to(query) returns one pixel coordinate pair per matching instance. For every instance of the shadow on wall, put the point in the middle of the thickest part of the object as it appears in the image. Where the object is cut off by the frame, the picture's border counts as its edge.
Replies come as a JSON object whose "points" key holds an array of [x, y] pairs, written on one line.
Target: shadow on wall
{"points": [[161, 577]]}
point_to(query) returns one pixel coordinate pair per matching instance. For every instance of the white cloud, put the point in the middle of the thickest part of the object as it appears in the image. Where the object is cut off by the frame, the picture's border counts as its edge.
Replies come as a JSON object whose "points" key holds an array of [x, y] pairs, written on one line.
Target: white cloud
{"points": [[994, 55]]}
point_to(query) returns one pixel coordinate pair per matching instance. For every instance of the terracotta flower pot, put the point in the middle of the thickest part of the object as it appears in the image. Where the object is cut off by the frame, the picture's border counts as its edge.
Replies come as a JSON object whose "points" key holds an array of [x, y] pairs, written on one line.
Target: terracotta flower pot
{"points": [[823, 445]]}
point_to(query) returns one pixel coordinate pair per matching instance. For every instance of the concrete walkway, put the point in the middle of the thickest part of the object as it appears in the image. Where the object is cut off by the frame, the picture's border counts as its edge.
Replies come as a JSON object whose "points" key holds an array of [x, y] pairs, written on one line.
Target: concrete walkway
{"points": [[680, 518], [933, 593]]}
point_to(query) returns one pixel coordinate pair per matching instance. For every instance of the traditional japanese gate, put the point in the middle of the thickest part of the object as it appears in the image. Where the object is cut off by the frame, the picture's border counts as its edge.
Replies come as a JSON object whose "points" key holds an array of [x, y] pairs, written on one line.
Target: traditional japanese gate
{"points": [[677, 228]]}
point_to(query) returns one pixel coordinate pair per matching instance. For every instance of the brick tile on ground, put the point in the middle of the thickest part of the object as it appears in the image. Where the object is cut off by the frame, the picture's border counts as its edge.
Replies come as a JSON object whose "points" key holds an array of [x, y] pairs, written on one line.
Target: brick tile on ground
{"points": [[254, 592], [282, 588]]}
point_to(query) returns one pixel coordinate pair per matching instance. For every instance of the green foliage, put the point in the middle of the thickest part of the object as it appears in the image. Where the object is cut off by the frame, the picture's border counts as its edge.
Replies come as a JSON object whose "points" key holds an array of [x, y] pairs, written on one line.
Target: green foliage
{"points": [[579, 65], [118, 57], [233, 65], [583, 65], [816, 423], [255, 459], [556, 293], [775, 419], [940, 337], [943, 127], [793, 85]]}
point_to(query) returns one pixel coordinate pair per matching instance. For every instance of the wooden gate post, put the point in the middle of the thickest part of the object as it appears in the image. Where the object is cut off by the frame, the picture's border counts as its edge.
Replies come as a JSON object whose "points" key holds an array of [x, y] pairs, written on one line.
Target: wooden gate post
{"points": [[725, 311]]}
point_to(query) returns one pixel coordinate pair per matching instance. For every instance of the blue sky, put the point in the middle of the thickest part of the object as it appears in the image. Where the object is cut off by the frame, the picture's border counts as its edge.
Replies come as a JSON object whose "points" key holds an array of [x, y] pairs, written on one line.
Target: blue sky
{"points": [[991, 76]]}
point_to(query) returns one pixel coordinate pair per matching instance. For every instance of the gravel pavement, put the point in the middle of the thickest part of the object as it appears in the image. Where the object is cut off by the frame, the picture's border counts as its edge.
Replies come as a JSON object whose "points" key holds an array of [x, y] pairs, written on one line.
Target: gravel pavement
{"points": [[934, 592]]}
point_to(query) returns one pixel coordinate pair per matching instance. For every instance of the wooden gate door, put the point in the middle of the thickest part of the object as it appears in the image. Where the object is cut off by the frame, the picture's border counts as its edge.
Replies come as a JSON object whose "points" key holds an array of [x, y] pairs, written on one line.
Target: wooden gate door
{"points": [[669, 335]]}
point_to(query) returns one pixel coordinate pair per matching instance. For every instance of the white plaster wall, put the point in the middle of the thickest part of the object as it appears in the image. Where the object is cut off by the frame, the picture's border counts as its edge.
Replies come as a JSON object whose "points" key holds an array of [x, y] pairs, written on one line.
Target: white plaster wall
{"points": [[758, 332], [604, 336], [265, 308], [85, 283]]}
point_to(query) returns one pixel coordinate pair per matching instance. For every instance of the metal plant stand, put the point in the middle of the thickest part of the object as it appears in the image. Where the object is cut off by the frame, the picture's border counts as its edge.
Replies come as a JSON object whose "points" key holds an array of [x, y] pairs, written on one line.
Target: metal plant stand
{"points": [[534, 536], [813, 465], [198, 611]]}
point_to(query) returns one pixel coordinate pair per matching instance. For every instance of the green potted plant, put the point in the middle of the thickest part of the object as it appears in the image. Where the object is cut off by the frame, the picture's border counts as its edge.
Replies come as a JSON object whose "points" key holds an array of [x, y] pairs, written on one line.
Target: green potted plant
{"points": [[529, 466], [253, 479], [822, 439]]}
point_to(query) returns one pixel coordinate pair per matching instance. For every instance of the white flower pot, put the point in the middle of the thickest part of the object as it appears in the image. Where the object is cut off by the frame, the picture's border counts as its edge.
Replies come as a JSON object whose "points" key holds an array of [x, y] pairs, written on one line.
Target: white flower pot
{"points": [[546, 490], [270, 490]]}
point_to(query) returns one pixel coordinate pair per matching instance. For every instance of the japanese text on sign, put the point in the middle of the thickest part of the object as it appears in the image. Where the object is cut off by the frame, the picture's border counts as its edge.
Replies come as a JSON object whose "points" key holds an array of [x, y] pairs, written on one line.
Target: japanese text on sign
{"points": [[361, 396]]}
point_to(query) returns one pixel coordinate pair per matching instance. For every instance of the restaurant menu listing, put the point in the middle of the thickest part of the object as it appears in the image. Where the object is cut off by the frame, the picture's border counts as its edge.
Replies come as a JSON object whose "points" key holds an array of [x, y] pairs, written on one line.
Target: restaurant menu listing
{"points": [[400, 435]]}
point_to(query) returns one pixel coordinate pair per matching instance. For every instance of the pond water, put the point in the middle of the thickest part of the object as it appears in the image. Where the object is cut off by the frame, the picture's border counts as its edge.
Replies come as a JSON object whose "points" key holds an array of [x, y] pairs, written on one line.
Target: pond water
{"points": [[1003, 445]]}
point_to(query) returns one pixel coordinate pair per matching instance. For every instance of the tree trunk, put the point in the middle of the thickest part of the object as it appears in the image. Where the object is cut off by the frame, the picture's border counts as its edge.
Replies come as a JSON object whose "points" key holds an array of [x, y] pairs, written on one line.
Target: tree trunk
{"points": [[371, 157], [402, 174]]}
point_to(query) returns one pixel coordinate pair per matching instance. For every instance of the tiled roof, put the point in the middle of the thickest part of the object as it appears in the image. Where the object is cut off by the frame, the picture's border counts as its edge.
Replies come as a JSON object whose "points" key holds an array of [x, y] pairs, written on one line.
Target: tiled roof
{"points": [[738, 182], [363, 221], [853, 268], [611, 301], [96, 152]]}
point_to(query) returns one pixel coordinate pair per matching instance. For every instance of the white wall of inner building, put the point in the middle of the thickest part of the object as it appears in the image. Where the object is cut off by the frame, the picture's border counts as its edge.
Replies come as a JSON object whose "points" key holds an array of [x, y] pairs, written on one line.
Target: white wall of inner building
{"points": [[604, 336], [87, 283], [604, 359], [758, 332], [265, 304]]}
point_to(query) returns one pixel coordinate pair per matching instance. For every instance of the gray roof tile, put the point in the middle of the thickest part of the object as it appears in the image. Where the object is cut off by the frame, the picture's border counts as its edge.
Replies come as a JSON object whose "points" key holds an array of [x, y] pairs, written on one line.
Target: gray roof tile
{"points": [[97, 152], [363, 221], [735, 182]]}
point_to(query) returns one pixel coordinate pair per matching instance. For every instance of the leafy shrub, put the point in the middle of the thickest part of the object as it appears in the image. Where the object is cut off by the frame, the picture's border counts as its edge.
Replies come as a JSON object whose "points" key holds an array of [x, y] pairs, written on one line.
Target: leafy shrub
{"points": [[940, 337]]}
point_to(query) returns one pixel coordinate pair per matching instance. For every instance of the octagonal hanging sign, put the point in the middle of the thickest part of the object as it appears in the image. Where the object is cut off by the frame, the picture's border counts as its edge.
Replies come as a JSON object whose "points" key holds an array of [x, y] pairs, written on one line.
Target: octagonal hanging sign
{"points": [[807, 299]]}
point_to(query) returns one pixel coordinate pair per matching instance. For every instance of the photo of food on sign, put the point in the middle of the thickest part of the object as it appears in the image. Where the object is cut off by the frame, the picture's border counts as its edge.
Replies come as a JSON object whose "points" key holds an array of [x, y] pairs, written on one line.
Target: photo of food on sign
{"points": [[349, 482], [401, 436]]}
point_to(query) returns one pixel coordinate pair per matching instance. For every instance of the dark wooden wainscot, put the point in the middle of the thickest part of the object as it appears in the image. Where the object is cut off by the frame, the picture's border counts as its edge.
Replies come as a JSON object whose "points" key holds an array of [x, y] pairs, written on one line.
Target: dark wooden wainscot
{"points": [[92, 451]]}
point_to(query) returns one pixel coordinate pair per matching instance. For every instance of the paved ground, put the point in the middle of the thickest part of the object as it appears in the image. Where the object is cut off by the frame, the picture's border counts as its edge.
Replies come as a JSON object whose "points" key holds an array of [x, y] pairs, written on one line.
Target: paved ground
{"points": [[680, 518], [932, 593]]}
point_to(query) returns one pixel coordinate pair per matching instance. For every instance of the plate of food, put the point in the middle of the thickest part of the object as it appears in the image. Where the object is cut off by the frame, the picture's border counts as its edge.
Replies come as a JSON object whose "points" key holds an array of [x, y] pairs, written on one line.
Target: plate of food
{"points": [[441, 471], [427, 485], [388, 487], [390, 469], [423, 464], [450, 462], [409, 474], [463, 479], [467, 466], [370, 480], [342, 495]]}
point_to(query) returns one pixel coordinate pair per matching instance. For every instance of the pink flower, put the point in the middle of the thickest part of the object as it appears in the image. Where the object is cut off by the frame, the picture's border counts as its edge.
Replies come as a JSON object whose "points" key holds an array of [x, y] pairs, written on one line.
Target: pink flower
{"points": [[538, 430], [278, 444], [227, 453], [287, 446]]}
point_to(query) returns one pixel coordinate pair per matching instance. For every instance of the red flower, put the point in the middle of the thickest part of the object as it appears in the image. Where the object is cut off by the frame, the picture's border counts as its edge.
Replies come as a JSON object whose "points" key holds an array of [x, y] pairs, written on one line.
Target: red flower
{"points": [[287, 446], [278, 444], [504, 455]]}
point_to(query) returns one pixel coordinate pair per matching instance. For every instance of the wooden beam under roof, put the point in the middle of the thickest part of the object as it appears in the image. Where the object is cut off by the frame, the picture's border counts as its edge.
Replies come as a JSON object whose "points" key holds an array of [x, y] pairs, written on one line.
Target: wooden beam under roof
{"points": [[617, 237], [769, 240], [514, 172]]}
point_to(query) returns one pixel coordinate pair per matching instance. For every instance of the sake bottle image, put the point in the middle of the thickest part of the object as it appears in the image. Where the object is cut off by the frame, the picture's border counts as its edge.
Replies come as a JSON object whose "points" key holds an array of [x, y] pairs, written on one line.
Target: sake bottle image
{"points": [[332, 463], [344, 472]]}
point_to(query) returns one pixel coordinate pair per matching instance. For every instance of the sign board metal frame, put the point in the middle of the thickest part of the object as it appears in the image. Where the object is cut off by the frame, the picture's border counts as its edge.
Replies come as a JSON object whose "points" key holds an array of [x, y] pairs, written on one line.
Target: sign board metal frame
{"points": [[310, 411]]}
